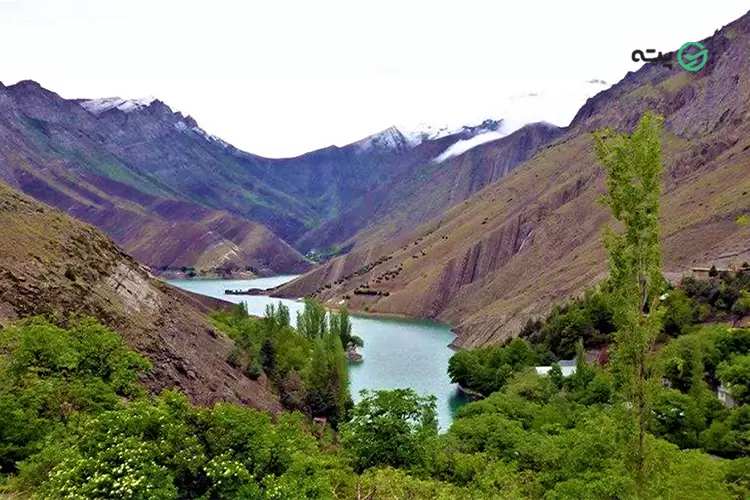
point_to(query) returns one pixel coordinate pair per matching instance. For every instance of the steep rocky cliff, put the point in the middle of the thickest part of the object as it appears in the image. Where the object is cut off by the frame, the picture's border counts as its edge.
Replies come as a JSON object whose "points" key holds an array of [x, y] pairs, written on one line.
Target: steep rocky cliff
{"points": [[533, 238], [54, 265]]}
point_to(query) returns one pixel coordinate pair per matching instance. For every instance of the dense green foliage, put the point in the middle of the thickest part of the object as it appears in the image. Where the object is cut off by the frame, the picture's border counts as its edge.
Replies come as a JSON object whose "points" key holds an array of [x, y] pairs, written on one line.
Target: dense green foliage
{"points": [[536, 439], [49, 376], [647, 424], [588, 318], [307, 365], [724, 296], [488, 370], [390, 428]]}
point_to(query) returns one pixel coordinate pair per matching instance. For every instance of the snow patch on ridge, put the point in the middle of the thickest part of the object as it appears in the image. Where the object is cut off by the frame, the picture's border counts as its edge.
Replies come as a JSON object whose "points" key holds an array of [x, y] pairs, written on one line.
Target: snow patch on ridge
{"points": [[388, 139], [185, 128], [99, 106]]}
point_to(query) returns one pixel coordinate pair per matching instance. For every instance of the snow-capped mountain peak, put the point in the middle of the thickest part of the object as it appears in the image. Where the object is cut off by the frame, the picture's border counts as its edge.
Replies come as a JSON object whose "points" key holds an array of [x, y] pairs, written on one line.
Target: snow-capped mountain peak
{"points": [[402, 138], [192, 127], [99, 106], [388, 139], [428, 132]]}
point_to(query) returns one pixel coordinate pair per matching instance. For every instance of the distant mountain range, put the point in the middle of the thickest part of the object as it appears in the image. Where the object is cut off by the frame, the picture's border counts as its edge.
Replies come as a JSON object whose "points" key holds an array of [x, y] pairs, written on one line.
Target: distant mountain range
{"points": [[174, 195], [481, 226], [513, 226]]}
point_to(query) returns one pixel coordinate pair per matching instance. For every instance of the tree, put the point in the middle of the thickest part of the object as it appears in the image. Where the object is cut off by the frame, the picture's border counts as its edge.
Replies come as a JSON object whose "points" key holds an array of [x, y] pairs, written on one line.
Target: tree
{"points": [[277, 316], [678, 314], [312, 321], [742, 306], [735, 374], [268, 357], [340, 324], [713, 272], [390, 428], [239, 311], [634, 171], [556, 376], [488, 369], [50, 376], [584, 373]]}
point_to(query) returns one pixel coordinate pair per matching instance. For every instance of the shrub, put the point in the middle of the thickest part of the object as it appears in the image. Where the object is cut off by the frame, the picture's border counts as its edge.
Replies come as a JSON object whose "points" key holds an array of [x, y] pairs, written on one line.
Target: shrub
{"points": [[70, 273], [713, 272]]}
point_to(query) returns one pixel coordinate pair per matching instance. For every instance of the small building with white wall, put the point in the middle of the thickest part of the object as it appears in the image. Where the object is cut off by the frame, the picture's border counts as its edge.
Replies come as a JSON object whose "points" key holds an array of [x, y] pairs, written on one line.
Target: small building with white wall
{"points": [[567, 367]]}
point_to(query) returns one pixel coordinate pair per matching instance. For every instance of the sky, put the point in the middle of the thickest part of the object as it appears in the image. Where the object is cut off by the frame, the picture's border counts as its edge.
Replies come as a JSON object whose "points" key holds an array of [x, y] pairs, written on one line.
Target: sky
{"points": [[280, 78]]}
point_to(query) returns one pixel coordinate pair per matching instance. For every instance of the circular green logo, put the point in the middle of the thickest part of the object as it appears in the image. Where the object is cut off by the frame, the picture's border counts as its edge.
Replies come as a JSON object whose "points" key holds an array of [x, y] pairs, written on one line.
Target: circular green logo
{"points": [[692, 62]]}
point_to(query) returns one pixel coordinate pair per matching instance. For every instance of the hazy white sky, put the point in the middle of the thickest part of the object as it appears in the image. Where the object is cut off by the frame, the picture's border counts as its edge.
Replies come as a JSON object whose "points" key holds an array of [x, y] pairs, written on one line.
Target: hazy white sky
{"points": [[280, 78]]}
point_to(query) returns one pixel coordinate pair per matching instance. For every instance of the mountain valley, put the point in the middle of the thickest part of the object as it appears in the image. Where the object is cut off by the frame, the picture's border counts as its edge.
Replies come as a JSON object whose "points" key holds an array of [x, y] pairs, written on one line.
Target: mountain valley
{"points": [[517, 247]]}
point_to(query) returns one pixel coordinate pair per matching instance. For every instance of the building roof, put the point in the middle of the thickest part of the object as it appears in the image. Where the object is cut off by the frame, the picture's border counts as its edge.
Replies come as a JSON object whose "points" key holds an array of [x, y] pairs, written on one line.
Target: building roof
{"points": [[567, 367]]}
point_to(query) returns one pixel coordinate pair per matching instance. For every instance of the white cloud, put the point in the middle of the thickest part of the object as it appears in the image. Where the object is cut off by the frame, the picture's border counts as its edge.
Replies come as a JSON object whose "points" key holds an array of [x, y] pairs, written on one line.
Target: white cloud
{"points": [[280, 78], [466, 144]]}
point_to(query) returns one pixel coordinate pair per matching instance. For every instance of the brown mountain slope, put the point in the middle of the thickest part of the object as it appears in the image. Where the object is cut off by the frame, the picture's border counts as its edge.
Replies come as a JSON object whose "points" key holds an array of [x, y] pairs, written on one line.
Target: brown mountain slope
{"points": [[534, 238], [53, 264], [425, 189], [54, 150]]}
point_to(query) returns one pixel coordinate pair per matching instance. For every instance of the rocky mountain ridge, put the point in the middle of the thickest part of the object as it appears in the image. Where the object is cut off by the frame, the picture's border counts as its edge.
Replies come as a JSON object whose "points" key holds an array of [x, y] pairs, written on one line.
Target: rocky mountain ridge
{"points": [[532, 238], [58, 152], [174, 195]]}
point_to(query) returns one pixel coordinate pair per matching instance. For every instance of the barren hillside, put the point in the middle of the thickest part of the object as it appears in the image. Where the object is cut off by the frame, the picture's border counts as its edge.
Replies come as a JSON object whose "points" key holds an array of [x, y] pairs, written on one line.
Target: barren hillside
{"points": [[534, 238]]}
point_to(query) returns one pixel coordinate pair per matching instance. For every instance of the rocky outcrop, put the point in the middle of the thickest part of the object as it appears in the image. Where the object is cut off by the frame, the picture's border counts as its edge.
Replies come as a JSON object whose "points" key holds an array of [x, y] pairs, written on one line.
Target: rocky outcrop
{"points": [[352, 355], [51, 264]]}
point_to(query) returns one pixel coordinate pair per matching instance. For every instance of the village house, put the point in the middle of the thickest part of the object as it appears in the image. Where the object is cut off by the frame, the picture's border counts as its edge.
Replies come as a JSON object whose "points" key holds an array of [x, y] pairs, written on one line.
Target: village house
{"points": [[567, 367]]}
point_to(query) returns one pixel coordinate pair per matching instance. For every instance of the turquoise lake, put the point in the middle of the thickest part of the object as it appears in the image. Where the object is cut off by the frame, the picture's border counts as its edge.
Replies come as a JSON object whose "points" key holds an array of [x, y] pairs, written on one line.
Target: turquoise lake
{"points": [[398, 353]]}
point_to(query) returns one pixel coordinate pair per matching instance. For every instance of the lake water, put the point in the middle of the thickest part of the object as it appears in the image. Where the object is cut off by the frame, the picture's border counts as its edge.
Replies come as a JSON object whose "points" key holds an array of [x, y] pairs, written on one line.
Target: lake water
{"points": [[398, 353]]}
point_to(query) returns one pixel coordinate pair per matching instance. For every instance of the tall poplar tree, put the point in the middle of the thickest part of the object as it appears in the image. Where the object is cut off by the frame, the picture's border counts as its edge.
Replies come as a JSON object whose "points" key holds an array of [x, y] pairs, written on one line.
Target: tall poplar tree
{"points": [[634, 171]]}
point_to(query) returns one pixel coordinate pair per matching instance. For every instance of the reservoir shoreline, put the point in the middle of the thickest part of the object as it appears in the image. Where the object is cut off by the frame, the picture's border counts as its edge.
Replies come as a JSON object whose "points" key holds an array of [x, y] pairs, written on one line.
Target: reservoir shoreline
{"points": [[399, 351]]}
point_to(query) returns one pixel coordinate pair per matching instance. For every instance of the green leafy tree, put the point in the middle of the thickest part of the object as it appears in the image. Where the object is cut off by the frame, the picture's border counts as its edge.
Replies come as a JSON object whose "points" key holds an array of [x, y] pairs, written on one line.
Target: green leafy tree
{"points": [[735, 374], [268, 357], [340, 324], [682, 361], [488, 369], [584, 372], [634, 171], [312, 321], [390, 428], [338, 383], [239, 311], [282, 316], [678, 316], [742, 306], [556, 376]]}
